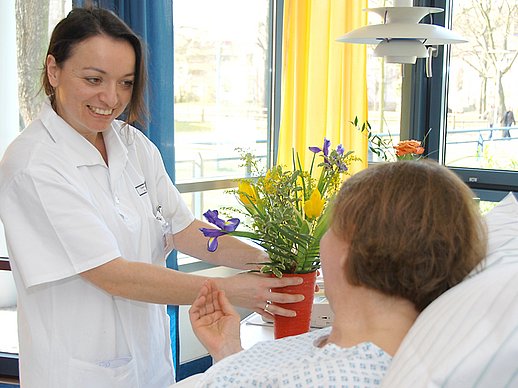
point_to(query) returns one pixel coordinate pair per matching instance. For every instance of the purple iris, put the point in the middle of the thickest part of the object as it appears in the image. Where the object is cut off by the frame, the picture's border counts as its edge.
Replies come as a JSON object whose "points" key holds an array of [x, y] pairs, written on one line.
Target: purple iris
{"points": [[224, 228], [342, 167], [213, 235], [316, 150], [340, 149], [213, 217]]}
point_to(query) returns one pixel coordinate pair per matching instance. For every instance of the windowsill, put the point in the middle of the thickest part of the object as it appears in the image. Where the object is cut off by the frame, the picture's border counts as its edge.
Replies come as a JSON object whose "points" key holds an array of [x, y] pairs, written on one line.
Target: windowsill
{"points": [[190, 264]]}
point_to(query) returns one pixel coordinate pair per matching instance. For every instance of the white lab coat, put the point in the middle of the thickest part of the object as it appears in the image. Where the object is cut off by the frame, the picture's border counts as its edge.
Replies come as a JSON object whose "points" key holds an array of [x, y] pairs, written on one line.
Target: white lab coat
{"points": [[65, 212]]}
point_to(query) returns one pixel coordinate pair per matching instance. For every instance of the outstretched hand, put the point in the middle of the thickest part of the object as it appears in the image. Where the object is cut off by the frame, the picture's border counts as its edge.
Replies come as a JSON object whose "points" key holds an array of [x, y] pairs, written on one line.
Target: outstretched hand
{"points": [[215, 322], [261, 293]]}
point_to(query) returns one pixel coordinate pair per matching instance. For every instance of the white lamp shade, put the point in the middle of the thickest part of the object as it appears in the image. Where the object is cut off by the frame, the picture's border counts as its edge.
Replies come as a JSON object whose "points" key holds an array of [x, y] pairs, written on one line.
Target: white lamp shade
{"points": [[401, 38], [401, 51], [403, 14], [429, 34]]}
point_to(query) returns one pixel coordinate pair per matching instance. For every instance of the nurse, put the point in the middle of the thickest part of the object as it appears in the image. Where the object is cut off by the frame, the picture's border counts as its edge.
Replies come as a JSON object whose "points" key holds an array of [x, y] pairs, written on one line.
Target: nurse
{"points": [[90, 215]]}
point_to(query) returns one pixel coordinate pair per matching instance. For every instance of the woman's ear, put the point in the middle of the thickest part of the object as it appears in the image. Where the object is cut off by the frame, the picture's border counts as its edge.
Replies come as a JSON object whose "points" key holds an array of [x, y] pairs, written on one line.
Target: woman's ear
{"points": [[53, 70]]}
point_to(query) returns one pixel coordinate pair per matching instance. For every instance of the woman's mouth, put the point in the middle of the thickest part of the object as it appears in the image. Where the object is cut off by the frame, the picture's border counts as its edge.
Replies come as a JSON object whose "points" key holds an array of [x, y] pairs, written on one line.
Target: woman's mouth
{"points": [[100, 111]]}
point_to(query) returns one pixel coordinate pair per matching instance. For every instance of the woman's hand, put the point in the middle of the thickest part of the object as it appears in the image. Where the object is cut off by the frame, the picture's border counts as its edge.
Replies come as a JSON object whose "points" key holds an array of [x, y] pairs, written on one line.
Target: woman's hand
{"points": [[215, 322], [253, 291]]}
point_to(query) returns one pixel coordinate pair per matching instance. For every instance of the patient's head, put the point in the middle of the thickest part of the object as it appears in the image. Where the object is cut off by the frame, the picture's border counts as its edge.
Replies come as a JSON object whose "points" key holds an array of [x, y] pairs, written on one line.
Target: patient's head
{"points": [[413, 229]]}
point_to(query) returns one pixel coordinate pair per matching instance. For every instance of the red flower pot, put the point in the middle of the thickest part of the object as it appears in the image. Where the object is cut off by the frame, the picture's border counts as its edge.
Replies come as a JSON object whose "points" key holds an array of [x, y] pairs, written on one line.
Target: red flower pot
{"points": [[288, 326]]}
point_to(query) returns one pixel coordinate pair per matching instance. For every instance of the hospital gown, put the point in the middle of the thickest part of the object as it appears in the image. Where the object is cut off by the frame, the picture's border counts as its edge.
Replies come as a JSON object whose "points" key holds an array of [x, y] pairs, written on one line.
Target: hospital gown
{"points": [[299, 362]]}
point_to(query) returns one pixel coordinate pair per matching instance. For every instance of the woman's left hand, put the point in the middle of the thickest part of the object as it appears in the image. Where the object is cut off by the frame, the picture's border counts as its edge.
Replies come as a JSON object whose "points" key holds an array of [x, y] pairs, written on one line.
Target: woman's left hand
{"points": [[253, 291]]}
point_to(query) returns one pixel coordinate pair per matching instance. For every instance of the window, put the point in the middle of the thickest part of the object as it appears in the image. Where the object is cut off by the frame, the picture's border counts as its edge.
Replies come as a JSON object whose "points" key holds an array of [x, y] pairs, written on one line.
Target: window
{"points": [[471, 90], [223, 82], [482, 94]]}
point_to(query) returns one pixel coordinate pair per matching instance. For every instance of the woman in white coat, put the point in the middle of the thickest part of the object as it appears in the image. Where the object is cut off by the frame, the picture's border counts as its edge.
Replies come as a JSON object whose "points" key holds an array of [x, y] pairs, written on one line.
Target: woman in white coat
{"points": [[90, 215]]}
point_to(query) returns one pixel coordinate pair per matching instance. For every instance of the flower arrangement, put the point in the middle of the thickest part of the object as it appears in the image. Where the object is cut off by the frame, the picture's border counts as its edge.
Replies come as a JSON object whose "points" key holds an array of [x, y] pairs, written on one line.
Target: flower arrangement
{"points": [[384, 147], [286, 210]]}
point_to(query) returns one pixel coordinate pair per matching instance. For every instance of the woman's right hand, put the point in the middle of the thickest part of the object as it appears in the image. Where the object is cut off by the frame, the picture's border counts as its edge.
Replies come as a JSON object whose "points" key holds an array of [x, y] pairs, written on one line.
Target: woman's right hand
{"points": [[253, 291]]}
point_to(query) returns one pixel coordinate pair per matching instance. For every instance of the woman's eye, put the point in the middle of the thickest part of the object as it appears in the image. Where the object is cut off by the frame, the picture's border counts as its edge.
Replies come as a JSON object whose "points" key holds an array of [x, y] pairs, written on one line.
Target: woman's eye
{"points": [[127, 83], [93, 80]]}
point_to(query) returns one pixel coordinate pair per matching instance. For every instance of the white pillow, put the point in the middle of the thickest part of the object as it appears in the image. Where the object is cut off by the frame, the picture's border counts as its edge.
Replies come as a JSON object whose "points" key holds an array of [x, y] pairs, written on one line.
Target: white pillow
{"points": [[469, 336]]}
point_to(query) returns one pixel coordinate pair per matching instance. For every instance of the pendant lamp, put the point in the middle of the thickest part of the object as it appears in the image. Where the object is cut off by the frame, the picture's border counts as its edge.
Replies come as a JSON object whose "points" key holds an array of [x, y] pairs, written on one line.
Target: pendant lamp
{"points": [[401, 38]]}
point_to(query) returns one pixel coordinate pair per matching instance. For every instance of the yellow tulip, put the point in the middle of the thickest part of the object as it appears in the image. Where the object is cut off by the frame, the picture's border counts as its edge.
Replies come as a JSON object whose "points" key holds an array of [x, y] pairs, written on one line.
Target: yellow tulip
{"points": [[245, 188], [314, 206]]}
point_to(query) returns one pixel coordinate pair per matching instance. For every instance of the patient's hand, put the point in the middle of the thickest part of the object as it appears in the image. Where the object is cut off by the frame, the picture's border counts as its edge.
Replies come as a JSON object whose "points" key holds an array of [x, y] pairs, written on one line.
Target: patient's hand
{"points": [[215, 322]]}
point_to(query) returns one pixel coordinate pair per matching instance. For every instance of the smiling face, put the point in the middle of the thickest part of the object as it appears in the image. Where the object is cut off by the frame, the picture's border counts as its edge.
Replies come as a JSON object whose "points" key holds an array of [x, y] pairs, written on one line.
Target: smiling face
{"points": [[94, 85]]}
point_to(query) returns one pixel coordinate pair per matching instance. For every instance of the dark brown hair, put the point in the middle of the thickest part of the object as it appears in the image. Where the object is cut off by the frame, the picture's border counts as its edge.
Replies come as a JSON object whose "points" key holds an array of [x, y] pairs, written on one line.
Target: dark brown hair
{"points": [[413, 228], [83, 23]]}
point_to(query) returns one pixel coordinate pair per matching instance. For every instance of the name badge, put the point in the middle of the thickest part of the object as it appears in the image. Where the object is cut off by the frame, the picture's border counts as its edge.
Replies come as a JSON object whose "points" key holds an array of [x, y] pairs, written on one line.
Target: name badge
{"points": [[141, 189]]}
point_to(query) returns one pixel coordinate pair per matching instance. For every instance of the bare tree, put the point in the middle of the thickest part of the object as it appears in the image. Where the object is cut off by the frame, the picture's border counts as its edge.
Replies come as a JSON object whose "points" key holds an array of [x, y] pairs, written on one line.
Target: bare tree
{"points": [[31, 40], [489, 24]]}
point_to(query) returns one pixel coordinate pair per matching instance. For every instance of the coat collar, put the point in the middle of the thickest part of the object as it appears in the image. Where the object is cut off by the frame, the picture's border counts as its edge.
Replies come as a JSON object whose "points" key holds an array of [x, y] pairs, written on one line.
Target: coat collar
{"points": [[80, 150]]}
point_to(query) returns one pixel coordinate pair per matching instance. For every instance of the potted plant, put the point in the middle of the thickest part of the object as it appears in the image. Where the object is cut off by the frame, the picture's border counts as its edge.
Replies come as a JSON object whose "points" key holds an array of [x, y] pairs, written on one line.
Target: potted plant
{"points": [[384, 147], [285, 211]]}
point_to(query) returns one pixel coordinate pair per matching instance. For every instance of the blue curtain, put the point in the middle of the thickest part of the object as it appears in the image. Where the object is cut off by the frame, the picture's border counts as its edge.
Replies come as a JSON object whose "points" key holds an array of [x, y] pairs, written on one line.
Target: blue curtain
{"points": [[152, 20]]}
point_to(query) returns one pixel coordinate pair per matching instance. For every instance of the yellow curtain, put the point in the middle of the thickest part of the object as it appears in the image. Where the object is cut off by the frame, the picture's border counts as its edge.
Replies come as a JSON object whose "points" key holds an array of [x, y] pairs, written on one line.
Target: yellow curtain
{"points": [[324, 82]]}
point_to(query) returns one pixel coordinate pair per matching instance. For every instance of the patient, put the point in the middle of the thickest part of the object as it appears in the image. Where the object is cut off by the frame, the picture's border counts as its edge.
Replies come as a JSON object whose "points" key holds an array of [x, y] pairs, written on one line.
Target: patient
{"points": [[400, 235]]}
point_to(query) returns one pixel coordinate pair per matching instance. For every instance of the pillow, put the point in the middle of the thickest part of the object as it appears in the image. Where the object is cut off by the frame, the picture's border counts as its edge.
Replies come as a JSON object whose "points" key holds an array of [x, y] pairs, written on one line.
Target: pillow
{"points": [[469, 335], [502, 230]]}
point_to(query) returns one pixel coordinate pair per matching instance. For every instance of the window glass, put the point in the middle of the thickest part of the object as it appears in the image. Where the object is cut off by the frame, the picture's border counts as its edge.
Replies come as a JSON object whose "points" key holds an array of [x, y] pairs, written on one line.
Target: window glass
{"points": [[384, 81], [201, 201], [482, 131], [221, 76]]}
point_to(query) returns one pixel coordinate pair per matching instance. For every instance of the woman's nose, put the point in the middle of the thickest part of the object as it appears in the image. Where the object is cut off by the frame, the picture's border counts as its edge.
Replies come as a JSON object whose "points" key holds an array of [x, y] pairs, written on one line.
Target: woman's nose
{"points": [[110, 95]]}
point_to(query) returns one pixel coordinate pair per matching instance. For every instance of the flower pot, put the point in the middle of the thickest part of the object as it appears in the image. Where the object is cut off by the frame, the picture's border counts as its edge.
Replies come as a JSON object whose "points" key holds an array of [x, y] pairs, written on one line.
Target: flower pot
{"points": [[288, 326]]}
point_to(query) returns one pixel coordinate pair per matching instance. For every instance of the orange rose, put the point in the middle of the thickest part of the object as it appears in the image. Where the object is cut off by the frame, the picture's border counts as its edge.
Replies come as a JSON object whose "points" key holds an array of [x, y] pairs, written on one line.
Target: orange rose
{"points": [[407, 147]]}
